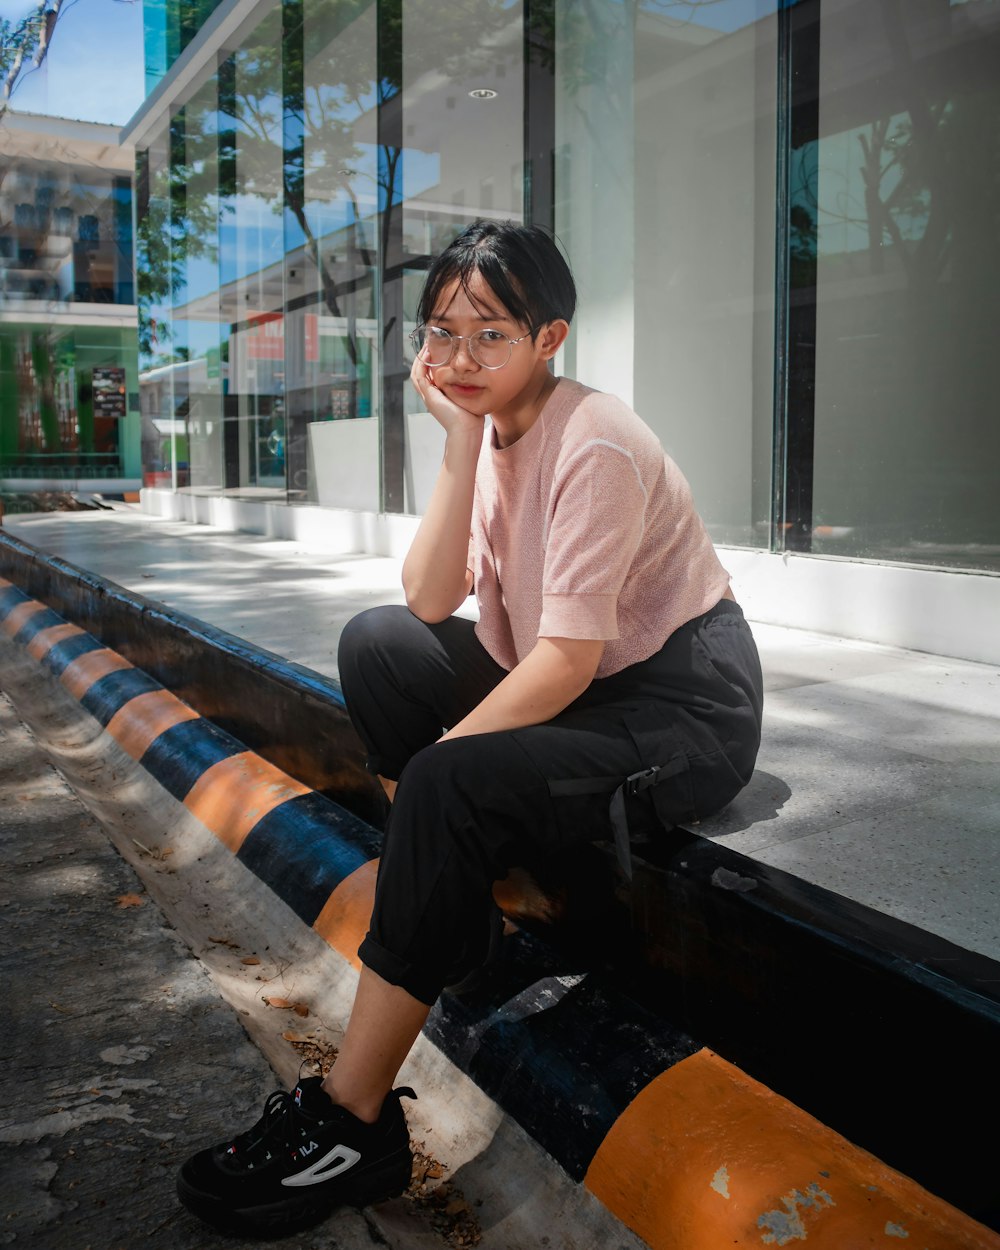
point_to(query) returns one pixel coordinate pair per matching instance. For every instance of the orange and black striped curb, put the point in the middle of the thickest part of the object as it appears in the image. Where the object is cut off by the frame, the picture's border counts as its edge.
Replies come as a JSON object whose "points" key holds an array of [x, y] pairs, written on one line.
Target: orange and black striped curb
{"points": [[677, 1142], [306, 848]]}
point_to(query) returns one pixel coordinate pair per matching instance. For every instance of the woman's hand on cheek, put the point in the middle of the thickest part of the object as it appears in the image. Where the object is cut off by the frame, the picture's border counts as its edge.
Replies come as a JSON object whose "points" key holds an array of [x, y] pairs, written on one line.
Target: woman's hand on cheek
{"points": [[447, 413]]}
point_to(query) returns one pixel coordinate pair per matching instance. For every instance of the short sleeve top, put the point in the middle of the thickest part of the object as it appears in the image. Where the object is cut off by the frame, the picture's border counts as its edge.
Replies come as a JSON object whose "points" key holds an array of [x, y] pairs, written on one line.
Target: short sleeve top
{"points": [[584, 528]]}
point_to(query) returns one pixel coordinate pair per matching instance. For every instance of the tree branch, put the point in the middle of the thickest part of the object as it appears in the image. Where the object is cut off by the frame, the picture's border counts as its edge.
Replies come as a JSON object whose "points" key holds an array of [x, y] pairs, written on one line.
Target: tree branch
{"points": [[32, 36]]}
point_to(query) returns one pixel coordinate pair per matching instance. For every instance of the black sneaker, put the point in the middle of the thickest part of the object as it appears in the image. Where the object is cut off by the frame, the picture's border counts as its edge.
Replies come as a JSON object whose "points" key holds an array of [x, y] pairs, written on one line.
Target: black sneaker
{"points": [[303, 1158]]}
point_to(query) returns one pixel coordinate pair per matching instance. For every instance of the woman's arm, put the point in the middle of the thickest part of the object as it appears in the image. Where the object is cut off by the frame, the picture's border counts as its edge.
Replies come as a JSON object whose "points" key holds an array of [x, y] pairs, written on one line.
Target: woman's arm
{"points": [[436, 576], [545, 683]]}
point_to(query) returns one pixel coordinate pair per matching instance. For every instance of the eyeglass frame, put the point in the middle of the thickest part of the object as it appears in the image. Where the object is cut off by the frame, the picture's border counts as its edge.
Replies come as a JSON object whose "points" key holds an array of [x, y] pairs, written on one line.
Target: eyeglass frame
{"points": [[415, 336]]}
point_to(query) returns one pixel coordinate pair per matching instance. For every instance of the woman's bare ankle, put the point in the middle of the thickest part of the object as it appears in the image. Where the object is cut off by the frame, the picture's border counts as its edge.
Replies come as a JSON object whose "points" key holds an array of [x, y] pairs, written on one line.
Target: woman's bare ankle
{"points": [[365, 1107]]}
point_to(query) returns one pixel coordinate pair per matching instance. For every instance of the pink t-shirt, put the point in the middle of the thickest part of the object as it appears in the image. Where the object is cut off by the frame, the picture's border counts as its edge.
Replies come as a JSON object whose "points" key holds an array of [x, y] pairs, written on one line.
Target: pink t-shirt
{"points": [[584, 528]]}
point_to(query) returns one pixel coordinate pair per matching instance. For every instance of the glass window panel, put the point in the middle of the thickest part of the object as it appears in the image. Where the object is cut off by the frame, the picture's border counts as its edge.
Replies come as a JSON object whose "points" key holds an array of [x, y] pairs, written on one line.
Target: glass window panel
{"points": [[154, 38], [168, 27], [154, 270], [664, 199], [65, 234], [463, 158], [332, 224], [254, 290], [906, 225], [463, 119], [64, 401], [196, 287]]}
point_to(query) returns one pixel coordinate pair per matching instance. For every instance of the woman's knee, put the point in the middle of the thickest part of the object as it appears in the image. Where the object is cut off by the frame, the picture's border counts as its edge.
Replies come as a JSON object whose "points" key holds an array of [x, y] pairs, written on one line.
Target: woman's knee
{"points": [[371, 628], [431, 773]]}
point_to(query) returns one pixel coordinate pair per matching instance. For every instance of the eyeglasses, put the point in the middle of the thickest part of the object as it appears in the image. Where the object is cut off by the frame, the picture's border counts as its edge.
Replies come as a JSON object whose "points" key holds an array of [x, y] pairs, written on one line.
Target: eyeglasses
{"points": [[488, 348]]}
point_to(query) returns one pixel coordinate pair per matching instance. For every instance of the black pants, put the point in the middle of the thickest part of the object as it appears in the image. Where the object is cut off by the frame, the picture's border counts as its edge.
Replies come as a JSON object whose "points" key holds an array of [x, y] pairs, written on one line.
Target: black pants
{"points": [[466, 811]]}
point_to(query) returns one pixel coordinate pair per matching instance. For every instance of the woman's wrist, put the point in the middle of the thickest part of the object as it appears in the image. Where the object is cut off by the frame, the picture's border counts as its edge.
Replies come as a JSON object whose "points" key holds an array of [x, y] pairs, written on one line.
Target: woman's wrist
{"points": [[466, 436]]}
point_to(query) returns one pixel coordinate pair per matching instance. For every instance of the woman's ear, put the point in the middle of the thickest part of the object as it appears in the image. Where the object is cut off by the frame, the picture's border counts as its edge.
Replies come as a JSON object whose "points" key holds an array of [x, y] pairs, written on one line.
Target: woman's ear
{"points": [[551, 337]]}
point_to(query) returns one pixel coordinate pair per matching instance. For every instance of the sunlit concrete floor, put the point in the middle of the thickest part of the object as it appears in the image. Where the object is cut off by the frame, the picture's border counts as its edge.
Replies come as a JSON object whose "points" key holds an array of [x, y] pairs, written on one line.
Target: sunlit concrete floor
{"points": [[879, 773]]}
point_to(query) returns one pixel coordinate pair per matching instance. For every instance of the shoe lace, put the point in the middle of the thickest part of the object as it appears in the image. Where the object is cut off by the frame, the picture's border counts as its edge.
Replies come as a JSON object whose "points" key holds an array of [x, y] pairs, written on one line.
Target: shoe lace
{"points": [[279, 1125]]}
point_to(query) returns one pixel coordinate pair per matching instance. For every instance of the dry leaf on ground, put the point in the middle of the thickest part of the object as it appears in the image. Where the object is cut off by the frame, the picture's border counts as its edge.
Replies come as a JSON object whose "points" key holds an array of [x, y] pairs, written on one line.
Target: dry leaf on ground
{"points": [[285, 1004]]}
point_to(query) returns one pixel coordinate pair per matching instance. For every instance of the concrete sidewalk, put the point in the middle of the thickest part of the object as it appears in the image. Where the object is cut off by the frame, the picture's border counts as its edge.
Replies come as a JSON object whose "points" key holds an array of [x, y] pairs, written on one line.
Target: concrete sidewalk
{"points": [[877, 778], [119, 1054]]}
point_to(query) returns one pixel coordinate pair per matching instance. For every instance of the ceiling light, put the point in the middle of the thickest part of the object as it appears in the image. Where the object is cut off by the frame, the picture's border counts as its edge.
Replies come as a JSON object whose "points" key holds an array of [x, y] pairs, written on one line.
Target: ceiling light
{"points": [[483, 93]]}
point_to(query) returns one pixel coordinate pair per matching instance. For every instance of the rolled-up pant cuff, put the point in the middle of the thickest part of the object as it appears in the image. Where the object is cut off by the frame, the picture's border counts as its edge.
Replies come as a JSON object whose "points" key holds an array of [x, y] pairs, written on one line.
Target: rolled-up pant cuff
{"points": [[420, 983]]}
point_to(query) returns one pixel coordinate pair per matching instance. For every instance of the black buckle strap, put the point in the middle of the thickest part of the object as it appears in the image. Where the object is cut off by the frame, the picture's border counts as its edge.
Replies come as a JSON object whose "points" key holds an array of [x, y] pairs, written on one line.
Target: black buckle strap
{"points": [[641, 781], [630, 787]]}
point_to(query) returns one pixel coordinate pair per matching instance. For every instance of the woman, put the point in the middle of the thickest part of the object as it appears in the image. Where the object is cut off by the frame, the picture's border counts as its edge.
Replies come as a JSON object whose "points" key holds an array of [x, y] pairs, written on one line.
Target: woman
{"points": [[609, 659]]}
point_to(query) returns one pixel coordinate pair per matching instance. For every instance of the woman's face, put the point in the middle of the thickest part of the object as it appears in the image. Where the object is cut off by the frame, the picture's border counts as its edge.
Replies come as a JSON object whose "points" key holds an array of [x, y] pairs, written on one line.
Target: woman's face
{"points": [[463, 380]]}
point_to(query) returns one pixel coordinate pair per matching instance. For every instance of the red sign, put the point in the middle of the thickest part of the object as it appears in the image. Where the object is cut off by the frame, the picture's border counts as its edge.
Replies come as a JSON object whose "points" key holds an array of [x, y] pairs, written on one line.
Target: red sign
{"points": [[265, 337]]}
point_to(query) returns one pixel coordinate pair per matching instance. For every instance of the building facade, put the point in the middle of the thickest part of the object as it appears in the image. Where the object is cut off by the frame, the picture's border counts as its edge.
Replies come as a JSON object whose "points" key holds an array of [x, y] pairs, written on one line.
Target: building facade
{"points": [[69, 388], [783, 219]]}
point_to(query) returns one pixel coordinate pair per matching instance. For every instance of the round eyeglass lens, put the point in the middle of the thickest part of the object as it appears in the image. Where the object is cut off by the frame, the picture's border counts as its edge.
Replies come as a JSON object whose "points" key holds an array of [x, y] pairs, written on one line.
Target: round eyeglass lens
{"points": [[489, 348]]}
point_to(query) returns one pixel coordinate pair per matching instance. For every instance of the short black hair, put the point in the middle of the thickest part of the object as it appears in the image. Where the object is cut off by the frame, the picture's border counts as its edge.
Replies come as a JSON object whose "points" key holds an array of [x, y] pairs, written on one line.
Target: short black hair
{"points": [[521, 265]]}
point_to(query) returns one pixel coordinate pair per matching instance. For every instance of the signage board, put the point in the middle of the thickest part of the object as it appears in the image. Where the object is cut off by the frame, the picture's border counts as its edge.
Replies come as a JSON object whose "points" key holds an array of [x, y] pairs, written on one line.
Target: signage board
{"points": [[109, 391]]}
